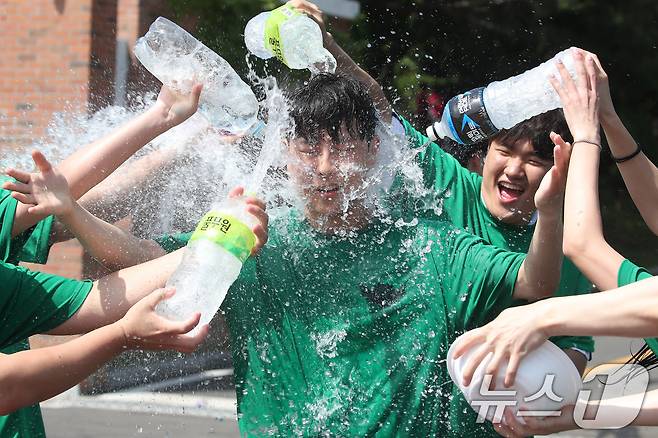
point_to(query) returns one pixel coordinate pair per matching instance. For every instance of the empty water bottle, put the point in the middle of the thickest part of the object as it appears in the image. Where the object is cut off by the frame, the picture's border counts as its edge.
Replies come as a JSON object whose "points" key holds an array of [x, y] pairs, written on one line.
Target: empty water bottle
{"points": [[178, 60], [294, 38], [214, 255], [478, 114]]}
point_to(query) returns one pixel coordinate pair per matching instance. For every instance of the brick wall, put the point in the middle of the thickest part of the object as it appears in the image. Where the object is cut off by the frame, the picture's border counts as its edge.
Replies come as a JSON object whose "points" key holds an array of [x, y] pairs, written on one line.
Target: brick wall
{"points": [[60, 55], [45, 64]]}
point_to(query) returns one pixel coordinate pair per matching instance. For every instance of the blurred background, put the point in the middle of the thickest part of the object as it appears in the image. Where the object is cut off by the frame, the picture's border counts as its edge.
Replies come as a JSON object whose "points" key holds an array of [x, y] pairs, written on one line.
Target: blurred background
{"points": [[76, 56]]}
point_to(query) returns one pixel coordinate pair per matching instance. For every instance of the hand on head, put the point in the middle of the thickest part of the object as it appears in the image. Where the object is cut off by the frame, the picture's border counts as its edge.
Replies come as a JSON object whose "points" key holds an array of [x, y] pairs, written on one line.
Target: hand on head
{"points": [[45, 191], [144, 329]]}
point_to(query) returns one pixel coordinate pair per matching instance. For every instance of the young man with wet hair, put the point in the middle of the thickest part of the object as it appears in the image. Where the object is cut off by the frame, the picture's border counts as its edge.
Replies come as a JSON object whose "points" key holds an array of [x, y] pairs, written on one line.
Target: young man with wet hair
{"points": [[501, 205], [340, 325]]}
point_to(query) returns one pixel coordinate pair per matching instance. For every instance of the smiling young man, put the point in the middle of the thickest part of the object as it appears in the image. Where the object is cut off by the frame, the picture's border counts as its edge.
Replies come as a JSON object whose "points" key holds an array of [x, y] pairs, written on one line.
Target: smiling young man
{"points": [[501, 205], [517, 159]]}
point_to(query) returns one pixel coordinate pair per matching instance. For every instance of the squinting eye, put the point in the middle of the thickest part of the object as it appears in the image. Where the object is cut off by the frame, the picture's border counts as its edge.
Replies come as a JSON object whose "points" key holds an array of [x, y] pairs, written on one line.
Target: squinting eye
{"points": [[540, 163]]}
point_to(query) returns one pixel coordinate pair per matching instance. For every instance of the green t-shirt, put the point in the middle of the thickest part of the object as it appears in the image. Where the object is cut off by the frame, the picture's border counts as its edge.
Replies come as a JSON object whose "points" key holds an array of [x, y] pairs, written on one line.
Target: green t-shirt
{"points": [[630, 273], [455, 196], [35, 302], [349, 335], [30, 246]]}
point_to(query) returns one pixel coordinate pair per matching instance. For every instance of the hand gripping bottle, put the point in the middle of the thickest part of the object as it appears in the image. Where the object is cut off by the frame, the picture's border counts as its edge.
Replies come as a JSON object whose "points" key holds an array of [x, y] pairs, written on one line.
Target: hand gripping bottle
{"points": [[178, 60], [220, 244], [294, 38], [480, 113]]}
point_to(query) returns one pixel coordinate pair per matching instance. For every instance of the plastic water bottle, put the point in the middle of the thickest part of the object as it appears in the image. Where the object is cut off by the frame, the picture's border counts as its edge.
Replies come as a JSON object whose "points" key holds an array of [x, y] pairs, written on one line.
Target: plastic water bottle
{"points": [[294, 38], [478, 114], [220, 244], [178, 60]]}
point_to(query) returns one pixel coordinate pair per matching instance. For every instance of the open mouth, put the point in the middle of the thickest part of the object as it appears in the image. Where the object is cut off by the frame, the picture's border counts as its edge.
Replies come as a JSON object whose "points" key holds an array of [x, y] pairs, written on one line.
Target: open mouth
{"points": [[328, 192], [509, 192]]}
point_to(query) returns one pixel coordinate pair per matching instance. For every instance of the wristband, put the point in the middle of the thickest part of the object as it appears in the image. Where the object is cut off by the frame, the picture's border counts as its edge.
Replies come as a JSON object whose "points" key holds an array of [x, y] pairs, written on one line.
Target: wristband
{"points": [[627, 157], [593, 143]]}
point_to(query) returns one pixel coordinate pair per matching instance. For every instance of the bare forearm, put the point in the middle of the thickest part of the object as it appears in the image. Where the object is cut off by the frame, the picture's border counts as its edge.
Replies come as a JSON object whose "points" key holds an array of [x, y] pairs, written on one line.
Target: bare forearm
{"points": [[584, 242], [539, 275], [112, 295], [640, 174], [32, 376], [117, 195], [347, 65], [107, 243], [90, 165], [106, 155], [630, 311]]}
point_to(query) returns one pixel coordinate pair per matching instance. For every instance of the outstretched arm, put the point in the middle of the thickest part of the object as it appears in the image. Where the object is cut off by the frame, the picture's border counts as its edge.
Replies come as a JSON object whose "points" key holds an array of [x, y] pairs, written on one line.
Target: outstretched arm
{"points": [[584, 242], [539, 275], [47, 192], [111, 296], [344, 62], [630, 311], [91, 164], [32, 376]]}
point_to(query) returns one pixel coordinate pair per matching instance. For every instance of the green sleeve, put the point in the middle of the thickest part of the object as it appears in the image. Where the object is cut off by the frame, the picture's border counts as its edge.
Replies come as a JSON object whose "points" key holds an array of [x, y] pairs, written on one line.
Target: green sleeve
{"points": [[36, 302], [481, 278], [631, 273], [452, 186], [172, 242], [30, 246]]}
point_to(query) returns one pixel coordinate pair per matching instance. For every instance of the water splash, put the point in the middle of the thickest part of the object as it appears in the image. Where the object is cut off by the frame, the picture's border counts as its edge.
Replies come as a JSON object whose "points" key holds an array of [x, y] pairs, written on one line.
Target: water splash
{"points": [[326, 344]]}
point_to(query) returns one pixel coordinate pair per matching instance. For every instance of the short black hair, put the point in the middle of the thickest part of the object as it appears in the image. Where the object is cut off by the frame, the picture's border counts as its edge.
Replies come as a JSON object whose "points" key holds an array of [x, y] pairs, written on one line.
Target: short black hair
{"points": [[326, 103], [537, 130]]}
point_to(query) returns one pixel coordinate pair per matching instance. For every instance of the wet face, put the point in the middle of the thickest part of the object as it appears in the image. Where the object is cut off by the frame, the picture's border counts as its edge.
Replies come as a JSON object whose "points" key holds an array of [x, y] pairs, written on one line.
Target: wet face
{"points": [[331, 176], [511, 177]]}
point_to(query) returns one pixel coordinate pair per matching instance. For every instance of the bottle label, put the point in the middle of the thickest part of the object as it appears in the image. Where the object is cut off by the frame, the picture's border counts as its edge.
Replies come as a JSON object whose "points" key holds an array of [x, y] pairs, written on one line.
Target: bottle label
{"points": [[227, 232], [272, 37], [469, 121]]}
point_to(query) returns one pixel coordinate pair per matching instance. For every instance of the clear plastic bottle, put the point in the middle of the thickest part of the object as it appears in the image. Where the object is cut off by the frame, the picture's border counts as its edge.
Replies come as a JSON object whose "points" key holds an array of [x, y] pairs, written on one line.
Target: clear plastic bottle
{"points": [[214, 255], [478, 114], [294, 38], [178, 60]]}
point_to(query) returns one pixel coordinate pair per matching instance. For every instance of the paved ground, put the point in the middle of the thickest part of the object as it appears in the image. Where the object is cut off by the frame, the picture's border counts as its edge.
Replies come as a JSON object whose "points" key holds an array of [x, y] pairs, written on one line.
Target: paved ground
{"points": [[103, 423], [212, 413]]}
